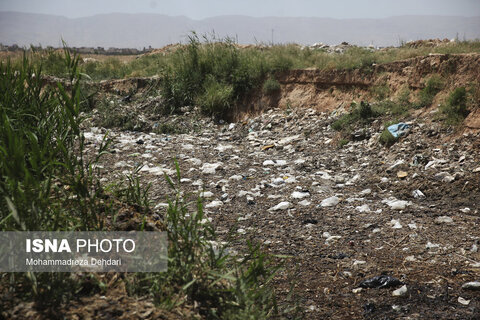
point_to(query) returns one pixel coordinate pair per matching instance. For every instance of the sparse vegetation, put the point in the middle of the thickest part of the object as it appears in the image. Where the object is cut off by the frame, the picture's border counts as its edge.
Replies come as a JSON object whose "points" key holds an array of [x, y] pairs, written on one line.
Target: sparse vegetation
{"points": [[360, 113], [386, 138], [200, 268], [433, 85], [271, 86], [48, 183], [455, 108]]}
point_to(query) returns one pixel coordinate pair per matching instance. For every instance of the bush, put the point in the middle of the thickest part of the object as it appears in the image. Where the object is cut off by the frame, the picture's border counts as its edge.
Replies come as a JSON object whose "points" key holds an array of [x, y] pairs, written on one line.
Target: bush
{"points": [[47, 182], [433, 85], [387, 139], [216, 99], [455, 109], [271, 86], [361, 113]]}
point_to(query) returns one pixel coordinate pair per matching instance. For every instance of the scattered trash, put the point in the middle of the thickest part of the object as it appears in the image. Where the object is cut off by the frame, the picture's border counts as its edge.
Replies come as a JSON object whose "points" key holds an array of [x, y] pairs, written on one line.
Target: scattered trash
{"points": [[474, 285], [382, 281], [400, 291], [443, 219], [330, 202], [281, 206], [402, 174], [463, 301], [417, 194], [398, 130], [268, 147]]}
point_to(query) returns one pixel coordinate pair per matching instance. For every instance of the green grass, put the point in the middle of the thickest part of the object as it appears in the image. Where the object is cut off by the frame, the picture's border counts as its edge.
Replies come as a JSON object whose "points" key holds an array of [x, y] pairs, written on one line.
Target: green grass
{"points": [[217, 74], [455, 109], [47, 183], [270, 86], [360, 114], [386, 138], [201, 269], [433, 85]]}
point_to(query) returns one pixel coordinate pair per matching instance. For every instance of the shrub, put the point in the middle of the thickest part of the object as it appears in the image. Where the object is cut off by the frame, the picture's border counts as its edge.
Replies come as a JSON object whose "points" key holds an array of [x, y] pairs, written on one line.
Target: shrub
{"points": [[455, 109], [380, 92], [216, 99], [361, 113], [271, 86], [387, 139], [433, 85]]}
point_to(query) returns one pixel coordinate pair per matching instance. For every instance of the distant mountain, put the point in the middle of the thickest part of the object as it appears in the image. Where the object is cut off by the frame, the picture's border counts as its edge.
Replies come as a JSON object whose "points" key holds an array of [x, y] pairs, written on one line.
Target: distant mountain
{"points": [[143, 30]]}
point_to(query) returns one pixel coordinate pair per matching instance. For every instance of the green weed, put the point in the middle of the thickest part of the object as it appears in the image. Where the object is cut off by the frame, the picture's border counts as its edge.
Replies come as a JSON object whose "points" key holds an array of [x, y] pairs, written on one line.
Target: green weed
{"points": [[433, 85], [270, 86]]}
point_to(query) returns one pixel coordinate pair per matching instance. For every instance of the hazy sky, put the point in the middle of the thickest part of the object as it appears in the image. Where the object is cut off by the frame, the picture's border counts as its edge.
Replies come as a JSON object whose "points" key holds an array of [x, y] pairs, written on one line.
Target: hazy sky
{"points": [[198, 9]]}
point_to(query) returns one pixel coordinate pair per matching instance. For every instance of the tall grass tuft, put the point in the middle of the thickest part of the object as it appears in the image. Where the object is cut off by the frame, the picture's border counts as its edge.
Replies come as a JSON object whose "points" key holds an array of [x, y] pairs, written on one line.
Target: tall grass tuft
{"points": [[46, 182]]}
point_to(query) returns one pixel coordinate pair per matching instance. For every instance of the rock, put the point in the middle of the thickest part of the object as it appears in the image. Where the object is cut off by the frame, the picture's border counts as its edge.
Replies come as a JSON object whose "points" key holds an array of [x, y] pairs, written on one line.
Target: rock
{"points": [[330, 202], [476, 170], [235, 177], [400, 291], [473, 285], [465, 210], [443, 219], [357, 290], [300, 195], [281, 206]]}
